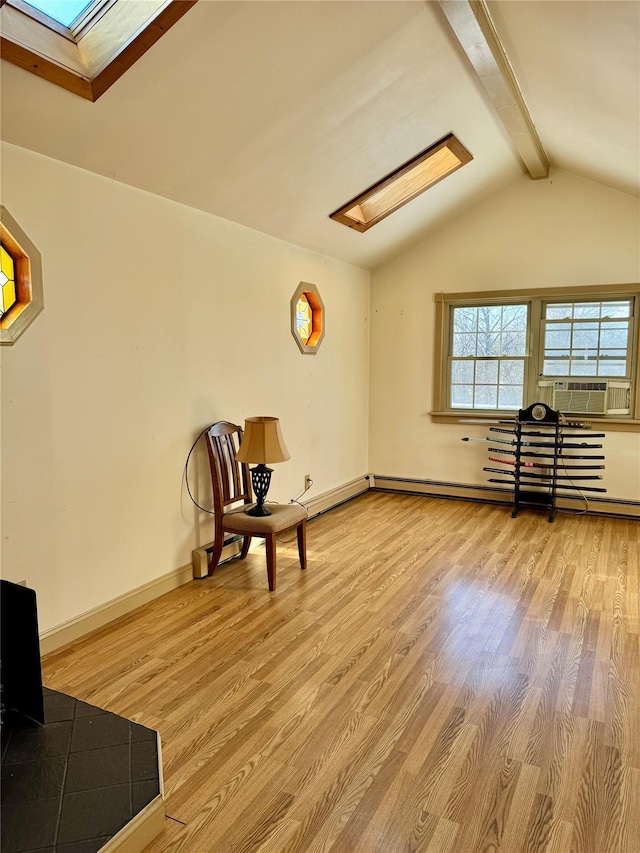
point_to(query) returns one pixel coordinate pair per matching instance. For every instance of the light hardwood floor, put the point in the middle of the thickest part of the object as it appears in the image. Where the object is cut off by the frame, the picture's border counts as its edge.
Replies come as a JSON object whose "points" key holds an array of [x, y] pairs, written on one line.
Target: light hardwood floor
{"points": [[442, 678]]}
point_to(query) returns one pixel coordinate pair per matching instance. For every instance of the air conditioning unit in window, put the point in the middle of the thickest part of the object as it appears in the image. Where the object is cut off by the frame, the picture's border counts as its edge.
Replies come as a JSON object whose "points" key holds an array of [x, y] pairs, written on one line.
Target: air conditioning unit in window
{"points": [[573, 397]]}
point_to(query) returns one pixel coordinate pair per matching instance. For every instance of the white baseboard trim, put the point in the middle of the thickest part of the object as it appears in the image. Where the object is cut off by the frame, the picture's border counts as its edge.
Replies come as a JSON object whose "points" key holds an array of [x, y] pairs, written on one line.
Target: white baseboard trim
{"points": [[488, 494], [98, 617], [315, 506], [72, 630], [328, 500]]}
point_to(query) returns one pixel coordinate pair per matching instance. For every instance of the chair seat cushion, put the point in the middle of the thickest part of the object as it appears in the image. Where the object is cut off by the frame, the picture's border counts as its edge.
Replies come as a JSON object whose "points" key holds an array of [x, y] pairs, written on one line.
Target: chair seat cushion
{"points": [[283, 516]]}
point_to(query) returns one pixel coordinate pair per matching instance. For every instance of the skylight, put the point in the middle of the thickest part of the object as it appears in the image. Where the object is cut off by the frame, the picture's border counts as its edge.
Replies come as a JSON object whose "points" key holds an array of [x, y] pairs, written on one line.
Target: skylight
{"points": [[63, 11], [84, 46], [403, 185]]}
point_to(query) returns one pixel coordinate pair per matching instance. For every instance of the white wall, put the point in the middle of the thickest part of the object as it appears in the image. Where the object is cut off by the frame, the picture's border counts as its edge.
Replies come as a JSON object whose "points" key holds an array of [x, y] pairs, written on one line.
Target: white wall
{"points": [[563, 231], [158, 320]]}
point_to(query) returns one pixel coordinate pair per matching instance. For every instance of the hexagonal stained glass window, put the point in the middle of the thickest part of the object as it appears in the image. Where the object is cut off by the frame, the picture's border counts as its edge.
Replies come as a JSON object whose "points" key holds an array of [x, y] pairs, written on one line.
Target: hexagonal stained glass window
{"points": [[20, 279], [307, 318], [7, 281]]}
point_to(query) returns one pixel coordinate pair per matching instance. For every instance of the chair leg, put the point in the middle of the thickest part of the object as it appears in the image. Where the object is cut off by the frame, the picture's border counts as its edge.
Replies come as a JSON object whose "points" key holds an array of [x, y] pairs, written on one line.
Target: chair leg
{"points": [[245, 547], [270, 545], [302, 543], [214, 558]]}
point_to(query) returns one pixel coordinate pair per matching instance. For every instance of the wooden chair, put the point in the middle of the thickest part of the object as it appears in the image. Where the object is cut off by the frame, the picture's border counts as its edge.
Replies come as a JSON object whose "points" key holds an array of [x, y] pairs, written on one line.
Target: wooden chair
{"points": [[230, 482]]}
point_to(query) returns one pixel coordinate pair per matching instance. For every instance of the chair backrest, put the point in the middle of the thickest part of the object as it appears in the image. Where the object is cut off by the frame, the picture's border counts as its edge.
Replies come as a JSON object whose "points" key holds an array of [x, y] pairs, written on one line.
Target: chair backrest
{"points": [[230, 480]]}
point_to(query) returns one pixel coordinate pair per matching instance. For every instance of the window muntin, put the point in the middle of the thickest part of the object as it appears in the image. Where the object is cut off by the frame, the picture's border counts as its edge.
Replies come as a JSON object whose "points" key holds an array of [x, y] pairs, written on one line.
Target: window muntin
{"points": [[488, 356], [587, 338], [614, 309]]}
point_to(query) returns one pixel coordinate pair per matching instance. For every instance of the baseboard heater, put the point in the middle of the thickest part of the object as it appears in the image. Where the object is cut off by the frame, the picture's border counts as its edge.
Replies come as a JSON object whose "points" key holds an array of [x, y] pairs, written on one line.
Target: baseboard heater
{"points": [[487, 494], [315, 506], [230, 550]]}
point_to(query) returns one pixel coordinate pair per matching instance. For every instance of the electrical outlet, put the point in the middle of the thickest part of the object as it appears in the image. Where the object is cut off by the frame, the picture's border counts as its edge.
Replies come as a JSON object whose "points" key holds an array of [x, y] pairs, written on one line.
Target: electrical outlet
{"points": [[308, 482]]}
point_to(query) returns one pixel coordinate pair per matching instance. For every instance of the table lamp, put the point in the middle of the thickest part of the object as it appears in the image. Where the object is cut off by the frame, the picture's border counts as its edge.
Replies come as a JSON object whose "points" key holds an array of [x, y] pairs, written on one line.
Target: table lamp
{"points": [[262, 442]]}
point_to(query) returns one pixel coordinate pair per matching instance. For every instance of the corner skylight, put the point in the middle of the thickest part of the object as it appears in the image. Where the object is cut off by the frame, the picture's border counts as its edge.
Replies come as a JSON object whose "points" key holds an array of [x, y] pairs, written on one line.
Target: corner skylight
{"points": [[404, 184], [82, 46], [63, 11]]}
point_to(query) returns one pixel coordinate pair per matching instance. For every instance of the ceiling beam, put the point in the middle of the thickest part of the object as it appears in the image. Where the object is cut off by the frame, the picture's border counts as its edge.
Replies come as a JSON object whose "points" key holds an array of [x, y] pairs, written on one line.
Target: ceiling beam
{"points": [[472, 25]]}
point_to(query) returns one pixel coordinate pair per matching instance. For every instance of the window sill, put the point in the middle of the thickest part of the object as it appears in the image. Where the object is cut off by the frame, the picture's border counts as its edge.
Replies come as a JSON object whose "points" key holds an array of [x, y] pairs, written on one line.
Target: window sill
{"points": [[606, 424]]}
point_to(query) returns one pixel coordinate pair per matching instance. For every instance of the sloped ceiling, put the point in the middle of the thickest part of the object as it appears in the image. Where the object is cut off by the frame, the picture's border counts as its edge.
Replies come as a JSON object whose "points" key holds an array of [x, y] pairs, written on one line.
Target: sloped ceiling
{"points": [[578, 65], [273, 114]]}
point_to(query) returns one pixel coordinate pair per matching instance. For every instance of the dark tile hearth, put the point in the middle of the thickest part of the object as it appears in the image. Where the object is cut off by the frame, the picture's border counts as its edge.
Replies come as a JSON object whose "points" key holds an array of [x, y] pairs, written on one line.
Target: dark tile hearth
{"points": [[70, 785]]}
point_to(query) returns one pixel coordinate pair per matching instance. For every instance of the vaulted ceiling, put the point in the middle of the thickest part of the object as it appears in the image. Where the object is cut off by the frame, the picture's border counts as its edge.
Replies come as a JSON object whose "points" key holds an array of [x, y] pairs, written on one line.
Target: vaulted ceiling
{"points": [[274, 114]]}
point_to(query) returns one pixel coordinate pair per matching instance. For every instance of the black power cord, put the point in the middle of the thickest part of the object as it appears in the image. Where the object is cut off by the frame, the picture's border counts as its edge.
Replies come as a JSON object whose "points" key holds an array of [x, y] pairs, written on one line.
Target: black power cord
{"points": [[210, 511], [297, 501], [582, 494], [186, 471]]}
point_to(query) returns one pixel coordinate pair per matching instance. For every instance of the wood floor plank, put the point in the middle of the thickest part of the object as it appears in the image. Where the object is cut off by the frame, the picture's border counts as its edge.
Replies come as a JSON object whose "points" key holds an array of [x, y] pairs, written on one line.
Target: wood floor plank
{"points": [[442, 679], [630, 829]]}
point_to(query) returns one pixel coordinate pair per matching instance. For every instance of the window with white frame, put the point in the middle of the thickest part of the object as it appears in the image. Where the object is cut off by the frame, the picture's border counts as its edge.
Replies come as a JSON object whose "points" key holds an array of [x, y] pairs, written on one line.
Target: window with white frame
{"points": [[500, 352]]}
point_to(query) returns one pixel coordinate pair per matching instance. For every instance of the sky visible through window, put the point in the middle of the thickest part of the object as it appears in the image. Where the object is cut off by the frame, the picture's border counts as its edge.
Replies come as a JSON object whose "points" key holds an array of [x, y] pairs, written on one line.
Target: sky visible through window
{"points": [[587, 338], [489, 351], [63, 11]]}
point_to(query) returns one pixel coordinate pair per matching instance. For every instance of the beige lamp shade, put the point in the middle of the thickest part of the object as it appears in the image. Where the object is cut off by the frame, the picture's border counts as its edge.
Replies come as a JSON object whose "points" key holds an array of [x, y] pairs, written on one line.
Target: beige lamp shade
{"points": [[262, 441]]}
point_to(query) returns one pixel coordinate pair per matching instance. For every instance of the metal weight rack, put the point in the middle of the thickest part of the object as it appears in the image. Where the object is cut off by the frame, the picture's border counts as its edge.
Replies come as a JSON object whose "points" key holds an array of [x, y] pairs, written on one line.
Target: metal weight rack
{"points": [[544, 456]]}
